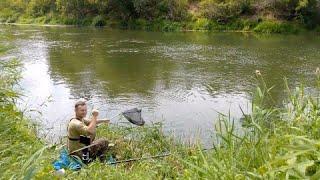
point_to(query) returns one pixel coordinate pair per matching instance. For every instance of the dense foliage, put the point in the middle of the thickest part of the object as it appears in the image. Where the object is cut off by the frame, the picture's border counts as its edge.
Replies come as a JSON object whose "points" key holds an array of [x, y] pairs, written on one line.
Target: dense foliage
{"points": [[163, 14]]}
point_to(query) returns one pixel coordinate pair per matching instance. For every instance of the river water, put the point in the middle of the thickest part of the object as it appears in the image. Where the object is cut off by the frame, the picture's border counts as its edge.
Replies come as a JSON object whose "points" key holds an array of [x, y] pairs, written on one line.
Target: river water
{"points": [[182, 79]]}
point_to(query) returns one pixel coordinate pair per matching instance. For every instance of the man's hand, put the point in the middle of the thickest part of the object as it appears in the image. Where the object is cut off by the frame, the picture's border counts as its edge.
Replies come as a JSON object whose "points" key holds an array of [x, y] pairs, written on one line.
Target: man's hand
{"points": [[95, 113], [93, 122]]}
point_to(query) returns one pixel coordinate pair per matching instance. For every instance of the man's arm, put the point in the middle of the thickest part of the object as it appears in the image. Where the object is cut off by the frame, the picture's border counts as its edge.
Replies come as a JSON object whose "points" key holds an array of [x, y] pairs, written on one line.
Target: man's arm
{"points": [[93, 123]]}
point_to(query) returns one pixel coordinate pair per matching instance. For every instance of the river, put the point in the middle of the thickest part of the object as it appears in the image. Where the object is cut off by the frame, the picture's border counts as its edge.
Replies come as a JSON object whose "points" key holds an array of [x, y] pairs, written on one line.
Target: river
{"points": [[183, 79]]}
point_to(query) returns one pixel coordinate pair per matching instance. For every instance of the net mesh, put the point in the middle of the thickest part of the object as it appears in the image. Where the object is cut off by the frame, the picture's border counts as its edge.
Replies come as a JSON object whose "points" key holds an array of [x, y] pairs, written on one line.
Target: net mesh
{"points": [[134, 116]]}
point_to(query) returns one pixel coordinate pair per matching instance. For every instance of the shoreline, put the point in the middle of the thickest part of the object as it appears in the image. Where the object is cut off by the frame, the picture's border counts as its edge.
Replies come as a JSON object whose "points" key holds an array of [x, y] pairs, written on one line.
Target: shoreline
{"points": [[143, 28], [38, 25], [104, 27]]}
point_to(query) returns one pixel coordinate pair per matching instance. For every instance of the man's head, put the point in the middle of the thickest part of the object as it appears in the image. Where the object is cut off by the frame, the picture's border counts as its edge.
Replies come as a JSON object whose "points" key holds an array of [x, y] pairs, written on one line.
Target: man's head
{"points": [[80, 109]]}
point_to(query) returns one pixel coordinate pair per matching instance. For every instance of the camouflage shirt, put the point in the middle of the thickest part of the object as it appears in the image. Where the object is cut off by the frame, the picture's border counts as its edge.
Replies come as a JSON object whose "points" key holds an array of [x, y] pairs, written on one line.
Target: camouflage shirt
{"points": [[76, 128]]}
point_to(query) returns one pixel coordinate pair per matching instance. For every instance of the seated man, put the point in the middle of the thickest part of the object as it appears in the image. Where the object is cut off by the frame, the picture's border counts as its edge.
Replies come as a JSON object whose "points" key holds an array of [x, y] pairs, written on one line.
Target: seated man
{"points": [[81, 133]]}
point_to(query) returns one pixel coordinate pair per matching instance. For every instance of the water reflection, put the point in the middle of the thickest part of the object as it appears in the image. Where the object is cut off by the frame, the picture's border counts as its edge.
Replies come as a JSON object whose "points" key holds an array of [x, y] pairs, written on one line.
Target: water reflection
{"points": [[183, 79]]}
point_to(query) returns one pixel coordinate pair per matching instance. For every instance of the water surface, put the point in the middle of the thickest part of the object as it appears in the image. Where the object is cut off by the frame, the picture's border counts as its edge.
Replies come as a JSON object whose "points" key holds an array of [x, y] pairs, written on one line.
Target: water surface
{"points": [[182, 79]]}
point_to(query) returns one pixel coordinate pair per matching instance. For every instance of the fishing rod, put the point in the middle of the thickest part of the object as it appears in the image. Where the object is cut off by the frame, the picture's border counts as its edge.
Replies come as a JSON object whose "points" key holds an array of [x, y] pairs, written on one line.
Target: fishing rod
{"points": [[83, 148], [138, 159], [149, 157], [134, 159]]}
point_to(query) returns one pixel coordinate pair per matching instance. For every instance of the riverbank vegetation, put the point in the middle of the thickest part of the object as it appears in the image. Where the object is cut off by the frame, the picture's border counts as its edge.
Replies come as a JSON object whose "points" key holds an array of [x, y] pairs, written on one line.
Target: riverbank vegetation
{"points": [[18, 138], [273, 142], [268, 16]]}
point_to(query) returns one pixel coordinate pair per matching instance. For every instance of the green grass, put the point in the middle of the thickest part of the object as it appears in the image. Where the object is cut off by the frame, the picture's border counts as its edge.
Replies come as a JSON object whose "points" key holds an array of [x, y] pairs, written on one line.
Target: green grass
{"points": [[274, 143]]}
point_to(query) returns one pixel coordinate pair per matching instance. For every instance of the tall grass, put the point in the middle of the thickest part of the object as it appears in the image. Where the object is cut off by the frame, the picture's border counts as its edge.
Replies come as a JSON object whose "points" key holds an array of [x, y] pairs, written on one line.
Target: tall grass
{"points": [[19, 146], [276, 143]]}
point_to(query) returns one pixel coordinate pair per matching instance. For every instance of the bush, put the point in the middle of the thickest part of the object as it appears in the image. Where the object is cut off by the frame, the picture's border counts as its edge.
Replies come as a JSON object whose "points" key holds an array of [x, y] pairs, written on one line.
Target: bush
{"points": [[98, 21], [201, 24], [177, 10], [249, 24], [222, 11], [80, 8], [41, 20], [171, 26], [8, 15], [37, 8], [70, 21], [317, 29], [275, 27], [25, 19], [305, 11], [246, 7]]}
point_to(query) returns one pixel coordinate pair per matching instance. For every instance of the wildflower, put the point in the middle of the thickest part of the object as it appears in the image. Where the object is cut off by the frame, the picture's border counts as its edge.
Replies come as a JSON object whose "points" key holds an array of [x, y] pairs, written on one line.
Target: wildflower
{"points": [[258, 73], [318, 72]]}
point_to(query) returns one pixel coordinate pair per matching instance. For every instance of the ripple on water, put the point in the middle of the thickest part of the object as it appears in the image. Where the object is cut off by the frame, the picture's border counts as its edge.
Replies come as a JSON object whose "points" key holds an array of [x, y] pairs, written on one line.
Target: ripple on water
{"points": [[133, 41], [33, 50], [123, 50], [190, 53]]}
